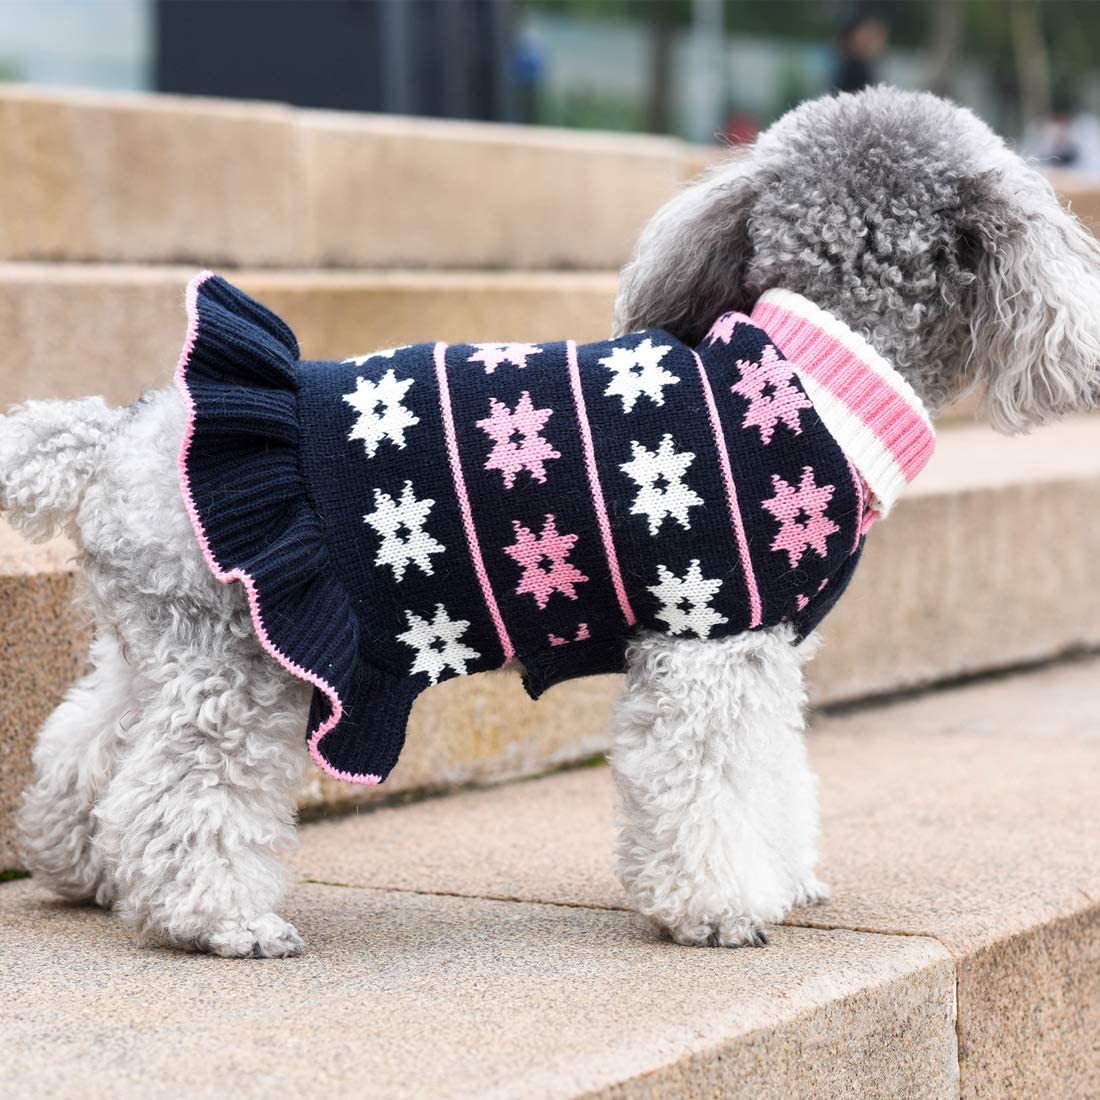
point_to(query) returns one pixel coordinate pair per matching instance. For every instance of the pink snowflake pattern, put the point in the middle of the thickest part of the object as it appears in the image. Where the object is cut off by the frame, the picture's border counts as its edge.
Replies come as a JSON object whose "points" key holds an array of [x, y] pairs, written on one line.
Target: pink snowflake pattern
{"points": [[581, 636], [804, 601], [801, 513], [722, 329], [517, 442], [531, 552], [493, 355], [767, 388]]}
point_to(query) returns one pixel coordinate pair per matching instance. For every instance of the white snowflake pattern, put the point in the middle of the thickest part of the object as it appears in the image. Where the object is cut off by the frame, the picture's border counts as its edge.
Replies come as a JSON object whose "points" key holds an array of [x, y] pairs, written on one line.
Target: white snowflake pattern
{"points": [[659, 476], [401, 525], [685, 601], [437, 644], [638, 372], [381, 413], [382, 353]]}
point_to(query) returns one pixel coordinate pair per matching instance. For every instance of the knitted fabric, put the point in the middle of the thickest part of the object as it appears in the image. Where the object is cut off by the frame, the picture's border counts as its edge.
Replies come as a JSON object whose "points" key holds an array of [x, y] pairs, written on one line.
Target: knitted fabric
{"points": [[423, 512]]}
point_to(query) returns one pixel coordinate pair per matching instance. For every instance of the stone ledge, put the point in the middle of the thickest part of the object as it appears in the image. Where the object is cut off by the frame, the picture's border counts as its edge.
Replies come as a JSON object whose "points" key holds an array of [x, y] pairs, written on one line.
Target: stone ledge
{"points": [[94, 176], [477, 944], [457, 997], [968, 816], [117, 329], [169, 179], [386, 192]]}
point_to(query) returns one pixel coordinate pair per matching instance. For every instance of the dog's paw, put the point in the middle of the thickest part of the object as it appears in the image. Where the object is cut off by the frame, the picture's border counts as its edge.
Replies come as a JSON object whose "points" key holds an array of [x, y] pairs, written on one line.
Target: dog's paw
{"points": [[812, 892], [266, 937], [731, 931]]}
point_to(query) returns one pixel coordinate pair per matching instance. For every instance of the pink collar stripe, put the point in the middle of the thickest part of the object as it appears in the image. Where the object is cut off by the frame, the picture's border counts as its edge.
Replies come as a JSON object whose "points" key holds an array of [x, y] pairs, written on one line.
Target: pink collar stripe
{"points": [[868, 407]]}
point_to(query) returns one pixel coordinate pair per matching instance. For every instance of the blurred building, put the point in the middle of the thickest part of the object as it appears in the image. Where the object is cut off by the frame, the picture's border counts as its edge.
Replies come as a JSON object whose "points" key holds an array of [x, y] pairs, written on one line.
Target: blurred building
{"points": [[699, 69], [450, 59], [418, 57]]}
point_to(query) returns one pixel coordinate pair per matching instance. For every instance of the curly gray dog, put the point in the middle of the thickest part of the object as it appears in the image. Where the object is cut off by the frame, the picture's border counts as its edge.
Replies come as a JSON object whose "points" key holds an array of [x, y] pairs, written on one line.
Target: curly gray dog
{"points": [[164, 780]]}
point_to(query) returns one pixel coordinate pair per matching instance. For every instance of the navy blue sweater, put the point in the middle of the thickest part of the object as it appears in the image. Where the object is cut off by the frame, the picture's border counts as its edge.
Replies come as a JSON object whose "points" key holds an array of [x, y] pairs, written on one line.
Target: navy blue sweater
{"points": [[428, 511]]}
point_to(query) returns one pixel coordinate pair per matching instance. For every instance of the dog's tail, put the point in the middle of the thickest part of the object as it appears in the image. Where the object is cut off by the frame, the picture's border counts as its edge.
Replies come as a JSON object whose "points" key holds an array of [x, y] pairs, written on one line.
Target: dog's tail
{"points": [[49, 453]]}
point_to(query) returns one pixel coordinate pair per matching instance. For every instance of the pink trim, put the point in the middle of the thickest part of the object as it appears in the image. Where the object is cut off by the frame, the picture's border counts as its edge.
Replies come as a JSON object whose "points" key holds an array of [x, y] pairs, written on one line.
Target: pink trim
{"points": [[731, 497], [900, 429], [861, 500], [336, 704], [594, 486], [440, 357]]}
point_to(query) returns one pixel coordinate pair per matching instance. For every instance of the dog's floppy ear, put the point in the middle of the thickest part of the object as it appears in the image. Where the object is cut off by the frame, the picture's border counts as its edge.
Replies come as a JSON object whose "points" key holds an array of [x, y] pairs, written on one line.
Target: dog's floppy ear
{"points": [[690, 262], [1035, 311]]}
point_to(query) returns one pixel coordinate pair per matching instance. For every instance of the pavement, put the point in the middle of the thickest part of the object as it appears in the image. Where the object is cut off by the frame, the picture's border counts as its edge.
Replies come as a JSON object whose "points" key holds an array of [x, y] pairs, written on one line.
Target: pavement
{"points": [[478, 945]]}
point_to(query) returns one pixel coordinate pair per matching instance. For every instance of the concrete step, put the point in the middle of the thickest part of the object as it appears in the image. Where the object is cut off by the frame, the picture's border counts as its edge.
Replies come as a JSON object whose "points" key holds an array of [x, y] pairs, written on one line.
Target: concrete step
{"points": [[478, 945], [163, 179], [93, 176], [43, 643], [988, 563], [117, 329]]}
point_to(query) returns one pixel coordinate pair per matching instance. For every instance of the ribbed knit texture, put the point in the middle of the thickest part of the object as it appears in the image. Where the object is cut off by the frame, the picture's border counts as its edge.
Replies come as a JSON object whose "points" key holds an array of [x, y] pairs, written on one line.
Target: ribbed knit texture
{"points": [[423, 512], [864, 402]]}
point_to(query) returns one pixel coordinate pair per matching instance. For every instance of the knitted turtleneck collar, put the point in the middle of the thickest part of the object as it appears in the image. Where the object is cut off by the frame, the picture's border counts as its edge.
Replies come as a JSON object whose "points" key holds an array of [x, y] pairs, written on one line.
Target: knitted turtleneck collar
{"points": [[868, 407]]}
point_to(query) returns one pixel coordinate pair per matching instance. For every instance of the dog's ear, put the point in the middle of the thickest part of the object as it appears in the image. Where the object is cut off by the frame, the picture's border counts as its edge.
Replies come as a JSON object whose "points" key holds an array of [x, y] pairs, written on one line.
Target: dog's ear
{"points": [[690, 262], [1034, 305]]}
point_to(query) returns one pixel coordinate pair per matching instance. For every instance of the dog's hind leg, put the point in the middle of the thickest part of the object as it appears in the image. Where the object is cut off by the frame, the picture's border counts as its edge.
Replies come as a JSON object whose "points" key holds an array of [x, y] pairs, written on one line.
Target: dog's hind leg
{"points": [[73, 761], [718, 815], [202, 804]]}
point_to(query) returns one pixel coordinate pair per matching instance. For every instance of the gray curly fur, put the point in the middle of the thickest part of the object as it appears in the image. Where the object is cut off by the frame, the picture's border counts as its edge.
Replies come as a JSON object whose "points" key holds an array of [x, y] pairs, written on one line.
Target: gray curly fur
{"points": [[907, 217], [163, 781]]}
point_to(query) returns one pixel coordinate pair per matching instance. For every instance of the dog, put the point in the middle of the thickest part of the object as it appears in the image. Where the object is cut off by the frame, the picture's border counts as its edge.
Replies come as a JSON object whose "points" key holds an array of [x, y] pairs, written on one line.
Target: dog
{"points": [[164, 779]]}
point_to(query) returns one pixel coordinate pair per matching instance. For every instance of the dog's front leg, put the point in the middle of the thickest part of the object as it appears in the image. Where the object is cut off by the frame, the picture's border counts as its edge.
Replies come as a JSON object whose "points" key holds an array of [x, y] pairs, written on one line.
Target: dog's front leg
{"points": [[718, 807], [200, 807]]}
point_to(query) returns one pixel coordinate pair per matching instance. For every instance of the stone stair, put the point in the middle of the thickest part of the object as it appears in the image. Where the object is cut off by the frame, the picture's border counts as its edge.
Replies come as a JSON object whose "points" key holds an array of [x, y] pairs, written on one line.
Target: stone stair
{"points": [[122, 324], [156, 179], [478, 945]]}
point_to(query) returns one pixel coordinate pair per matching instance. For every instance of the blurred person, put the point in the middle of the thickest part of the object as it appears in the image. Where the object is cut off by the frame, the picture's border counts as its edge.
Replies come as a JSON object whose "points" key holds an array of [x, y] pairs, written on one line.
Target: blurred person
{"points": [[1068, 138], [528, 67], [862, 41]]}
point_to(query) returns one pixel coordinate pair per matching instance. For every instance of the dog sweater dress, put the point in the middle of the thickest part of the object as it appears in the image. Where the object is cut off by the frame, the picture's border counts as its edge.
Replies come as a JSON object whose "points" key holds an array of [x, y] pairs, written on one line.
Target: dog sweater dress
{"points": [[418, 513]]}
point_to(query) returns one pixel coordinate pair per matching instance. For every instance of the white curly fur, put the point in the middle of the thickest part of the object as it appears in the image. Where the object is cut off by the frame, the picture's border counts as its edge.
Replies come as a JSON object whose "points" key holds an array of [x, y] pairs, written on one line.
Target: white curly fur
{"points": [[164, 778], [718, 804]]}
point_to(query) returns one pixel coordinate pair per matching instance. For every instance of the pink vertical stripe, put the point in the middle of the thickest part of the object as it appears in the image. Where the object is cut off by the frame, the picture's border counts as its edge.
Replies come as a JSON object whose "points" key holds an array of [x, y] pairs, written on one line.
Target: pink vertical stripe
{"points": [[594, 485], [861, 502], [464, 501], [731, 496]]}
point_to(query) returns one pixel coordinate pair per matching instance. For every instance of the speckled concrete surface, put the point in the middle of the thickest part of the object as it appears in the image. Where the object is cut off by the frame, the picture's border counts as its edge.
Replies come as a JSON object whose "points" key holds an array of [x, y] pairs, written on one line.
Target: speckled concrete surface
{"points": [[966, 819], [989, 561], [969, 816], [124, 178], [116, 329], [379, 194], [42, 646], [414, 996], [94, 176]]}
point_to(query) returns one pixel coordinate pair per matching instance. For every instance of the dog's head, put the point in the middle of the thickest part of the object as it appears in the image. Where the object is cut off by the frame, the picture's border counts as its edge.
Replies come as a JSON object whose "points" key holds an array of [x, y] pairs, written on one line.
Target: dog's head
{"points": [[907, 217]]}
